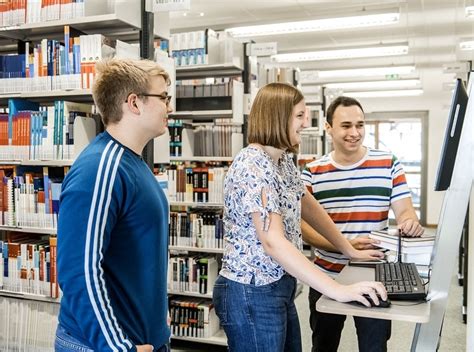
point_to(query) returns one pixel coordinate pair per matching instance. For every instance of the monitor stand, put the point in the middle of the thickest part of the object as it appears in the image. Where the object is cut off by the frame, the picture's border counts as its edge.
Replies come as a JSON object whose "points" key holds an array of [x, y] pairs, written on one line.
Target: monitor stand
{"points": [[450, 224]]}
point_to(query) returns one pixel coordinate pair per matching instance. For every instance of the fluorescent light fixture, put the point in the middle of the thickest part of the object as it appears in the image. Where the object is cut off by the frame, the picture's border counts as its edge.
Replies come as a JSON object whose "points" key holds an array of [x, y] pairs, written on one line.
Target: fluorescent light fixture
{"points": [[387, 50], [386, 93], [365, 72], [466, 45], [394, 84], [469, 11], [326, 24]]}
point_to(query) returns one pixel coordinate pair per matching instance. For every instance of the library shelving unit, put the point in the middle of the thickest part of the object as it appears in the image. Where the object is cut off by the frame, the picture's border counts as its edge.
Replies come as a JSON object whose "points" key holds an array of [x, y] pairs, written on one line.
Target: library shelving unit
{"points": [[198, 106], [28, 316]]}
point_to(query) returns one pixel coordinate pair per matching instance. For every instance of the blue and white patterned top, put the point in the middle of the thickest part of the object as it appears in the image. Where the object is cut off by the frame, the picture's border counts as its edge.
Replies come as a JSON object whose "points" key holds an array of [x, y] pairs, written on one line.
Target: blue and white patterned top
{"points": [[253, 172]]}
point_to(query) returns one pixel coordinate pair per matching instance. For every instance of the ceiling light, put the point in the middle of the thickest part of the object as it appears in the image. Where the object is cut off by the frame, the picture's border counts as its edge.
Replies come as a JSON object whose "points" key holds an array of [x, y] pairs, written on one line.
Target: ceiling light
{"points": [[386, 93], [401, 83], [388, 50], [316, 25], [467, 45], [469, 11], [357, 72]]}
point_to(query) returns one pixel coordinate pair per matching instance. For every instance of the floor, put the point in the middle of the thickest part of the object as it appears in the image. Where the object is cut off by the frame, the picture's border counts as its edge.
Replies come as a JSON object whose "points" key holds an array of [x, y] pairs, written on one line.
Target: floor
{"points": [[453, 335]]}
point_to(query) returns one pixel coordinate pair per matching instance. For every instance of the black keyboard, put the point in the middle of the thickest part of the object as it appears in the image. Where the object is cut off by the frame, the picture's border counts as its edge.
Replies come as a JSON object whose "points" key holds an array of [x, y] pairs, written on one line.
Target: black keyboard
{"points": [[401, 280]]}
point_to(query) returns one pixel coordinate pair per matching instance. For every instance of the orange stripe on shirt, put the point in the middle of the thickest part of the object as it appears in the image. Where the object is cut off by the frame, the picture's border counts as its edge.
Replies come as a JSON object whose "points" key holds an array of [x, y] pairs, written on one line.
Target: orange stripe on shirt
{"points": [[334, 267], [399, 179], [359, 216], [318, 169], [377, 163]]}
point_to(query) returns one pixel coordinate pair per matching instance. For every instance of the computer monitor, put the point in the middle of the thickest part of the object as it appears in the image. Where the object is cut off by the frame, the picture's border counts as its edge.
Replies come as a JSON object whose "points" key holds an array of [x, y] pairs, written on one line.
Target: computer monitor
{"points": [[451, 137]]}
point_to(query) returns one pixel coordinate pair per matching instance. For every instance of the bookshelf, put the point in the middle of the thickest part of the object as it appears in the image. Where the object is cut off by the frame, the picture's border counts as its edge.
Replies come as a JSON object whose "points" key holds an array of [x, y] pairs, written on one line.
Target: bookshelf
{"points": [[196, 107], [217, 339]]}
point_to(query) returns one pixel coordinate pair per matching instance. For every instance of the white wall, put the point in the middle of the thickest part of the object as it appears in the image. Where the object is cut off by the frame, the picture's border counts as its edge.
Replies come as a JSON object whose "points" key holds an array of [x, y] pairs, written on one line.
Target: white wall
{"points": [[436, 102]]}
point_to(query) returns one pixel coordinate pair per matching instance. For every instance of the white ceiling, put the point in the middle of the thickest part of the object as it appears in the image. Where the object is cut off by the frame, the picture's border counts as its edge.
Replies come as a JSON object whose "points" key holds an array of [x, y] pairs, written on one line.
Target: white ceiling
{"points": [[431, 27]]}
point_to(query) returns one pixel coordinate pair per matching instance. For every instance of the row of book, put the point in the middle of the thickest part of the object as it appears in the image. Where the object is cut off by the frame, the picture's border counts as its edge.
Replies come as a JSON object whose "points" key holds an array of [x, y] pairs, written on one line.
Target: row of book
{"points": [[191, 183], [211, 140], [73, 58], [194, 274], [193, 317], [189, 48], [199, 229], [29, 131], [27, 326], [29, 200], [28, 265], [208, 87], [17, 12]]}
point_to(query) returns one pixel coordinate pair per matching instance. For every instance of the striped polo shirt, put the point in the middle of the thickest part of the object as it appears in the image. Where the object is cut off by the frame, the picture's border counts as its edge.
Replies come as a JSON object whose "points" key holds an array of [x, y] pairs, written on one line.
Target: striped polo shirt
{"points": [[357, 197]]}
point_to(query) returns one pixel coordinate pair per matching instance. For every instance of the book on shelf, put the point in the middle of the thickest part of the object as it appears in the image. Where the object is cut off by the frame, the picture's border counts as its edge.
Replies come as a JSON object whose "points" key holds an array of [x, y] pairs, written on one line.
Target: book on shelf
{"points": [[29, 265], [192, 274], [193, 317], [192, 183], [199, 229], [56, 132]]}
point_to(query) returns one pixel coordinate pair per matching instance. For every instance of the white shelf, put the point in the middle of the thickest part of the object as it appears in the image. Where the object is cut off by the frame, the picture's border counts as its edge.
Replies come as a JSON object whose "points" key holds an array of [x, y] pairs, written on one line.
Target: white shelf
{"points": [[217, 339], [201, 158], [197, 204], [28, 296], [196, 249], [201, 114], [49, 95], [37, 162], [98, 24], [190, 294], [201, 71], [29, 229]]}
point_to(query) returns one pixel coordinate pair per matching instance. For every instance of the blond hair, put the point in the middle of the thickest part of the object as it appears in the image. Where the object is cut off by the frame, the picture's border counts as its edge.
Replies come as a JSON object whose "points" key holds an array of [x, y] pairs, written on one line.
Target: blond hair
{"points": [[116, 79], [270, 116]]}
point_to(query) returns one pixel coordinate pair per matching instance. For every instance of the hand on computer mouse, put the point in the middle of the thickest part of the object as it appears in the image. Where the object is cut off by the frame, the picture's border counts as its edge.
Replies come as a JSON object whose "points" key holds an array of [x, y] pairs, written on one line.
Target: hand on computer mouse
{"points": [[381, 303]]}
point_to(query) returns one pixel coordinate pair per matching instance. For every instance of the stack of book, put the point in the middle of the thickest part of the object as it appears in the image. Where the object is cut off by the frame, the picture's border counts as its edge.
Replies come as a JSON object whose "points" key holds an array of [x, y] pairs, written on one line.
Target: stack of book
{"points": [[413, 249]]}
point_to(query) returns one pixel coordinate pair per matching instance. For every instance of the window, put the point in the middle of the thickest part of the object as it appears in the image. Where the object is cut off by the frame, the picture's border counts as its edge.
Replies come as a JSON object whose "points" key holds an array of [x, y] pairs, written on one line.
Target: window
{"points": [[402, 133]]}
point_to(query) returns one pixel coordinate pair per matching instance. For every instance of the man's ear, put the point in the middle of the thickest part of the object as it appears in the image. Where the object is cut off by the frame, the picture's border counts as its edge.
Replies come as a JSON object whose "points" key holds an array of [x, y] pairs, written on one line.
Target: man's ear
{"points": [[132, 104], [328, 128]]}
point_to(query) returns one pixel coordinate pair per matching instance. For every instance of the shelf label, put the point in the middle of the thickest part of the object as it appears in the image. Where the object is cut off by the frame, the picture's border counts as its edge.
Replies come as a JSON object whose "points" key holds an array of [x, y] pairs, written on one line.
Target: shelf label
{"points": [[263, 49], [171, 5]]}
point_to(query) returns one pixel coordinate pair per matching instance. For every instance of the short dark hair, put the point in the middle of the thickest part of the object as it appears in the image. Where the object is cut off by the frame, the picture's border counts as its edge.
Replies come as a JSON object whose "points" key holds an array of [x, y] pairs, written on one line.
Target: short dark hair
{"points": [[342, 100]]}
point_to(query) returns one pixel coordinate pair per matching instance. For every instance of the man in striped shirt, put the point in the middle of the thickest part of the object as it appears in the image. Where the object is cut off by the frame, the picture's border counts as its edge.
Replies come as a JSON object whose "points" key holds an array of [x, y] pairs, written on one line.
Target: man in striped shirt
{"points": [[357, 186]]}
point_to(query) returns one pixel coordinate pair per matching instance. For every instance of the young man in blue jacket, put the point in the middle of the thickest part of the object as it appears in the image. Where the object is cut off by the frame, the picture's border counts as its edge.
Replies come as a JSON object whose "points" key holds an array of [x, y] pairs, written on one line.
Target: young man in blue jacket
{"points": [[113, 221]]}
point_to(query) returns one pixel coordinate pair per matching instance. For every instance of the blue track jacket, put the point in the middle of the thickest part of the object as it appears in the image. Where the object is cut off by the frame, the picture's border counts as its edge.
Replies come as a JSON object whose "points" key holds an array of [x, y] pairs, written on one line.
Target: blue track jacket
{"points": [[112, 250]]}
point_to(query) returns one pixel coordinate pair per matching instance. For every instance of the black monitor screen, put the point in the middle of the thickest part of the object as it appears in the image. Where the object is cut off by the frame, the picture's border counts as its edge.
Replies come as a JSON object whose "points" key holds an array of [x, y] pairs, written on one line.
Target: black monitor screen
{"points": [[451, 137]]}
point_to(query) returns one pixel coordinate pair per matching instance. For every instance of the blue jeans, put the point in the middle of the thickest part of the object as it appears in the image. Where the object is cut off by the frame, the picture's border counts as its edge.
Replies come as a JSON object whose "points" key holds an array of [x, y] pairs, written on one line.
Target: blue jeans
{"points": [[372, 334], [258, 318], [66, 343]]}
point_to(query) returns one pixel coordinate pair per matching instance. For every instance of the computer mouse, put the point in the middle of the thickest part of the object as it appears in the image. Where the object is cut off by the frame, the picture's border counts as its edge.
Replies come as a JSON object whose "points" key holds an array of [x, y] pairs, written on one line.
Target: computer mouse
{"points": [[382, 303]]}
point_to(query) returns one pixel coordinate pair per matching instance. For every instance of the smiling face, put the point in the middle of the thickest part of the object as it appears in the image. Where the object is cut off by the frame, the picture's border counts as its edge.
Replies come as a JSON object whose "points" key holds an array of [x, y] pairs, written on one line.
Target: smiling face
{"points": [[299, 121], [347, 130]]}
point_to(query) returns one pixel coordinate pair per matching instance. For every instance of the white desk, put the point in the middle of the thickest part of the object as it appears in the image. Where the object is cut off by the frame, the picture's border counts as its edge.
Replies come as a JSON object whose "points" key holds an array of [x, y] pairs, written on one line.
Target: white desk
{"points": [[414, 312]]}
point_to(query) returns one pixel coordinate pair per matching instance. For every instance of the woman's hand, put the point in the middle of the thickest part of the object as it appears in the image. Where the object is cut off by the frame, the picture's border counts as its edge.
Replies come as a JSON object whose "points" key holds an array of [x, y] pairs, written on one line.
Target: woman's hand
{"points": [[144, 348], [355, 292], [364, 242]]}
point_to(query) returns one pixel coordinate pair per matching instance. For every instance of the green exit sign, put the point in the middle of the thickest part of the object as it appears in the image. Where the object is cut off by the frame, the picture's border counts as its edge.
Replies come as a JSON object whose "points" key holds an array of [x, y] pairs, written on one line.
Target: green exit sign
{"points": [[392, 76]]}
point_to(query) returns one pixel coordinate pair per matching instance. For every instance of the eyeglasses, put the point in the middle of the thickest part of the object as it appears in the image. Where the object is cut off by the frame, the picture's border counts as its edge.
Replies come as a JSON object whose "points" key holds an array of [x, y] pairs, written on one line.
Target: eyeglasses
{"points": [[163, 97]]}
